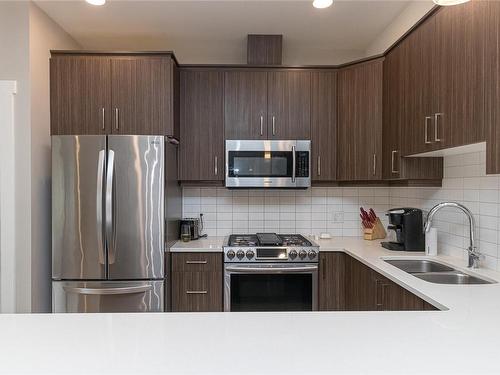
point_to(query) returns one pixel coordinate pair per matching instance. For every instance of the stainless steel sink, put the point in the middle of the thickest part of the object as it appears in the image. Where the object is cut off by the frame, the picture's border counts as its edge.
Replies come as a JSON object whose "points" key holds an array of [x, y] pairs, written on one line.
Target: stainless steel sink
{"points": [[419, 265], [455, 277], [435, 272]]}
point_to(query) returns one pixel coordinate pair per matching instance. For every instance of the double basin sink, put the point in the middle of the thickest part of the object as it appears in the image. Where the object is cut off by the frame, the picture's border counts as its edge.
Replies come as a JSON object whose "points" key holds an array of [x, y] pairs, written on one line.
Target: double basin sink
{"points": [[435, 272]]}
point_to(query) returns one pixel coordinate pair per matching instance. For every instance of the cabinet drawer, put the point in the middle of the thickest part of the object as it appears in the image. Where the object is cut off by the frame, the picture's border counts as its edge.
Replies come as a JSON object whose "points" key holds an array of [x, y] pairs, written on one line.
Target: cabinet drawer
{"points": [[196, 291], [197, 262]]}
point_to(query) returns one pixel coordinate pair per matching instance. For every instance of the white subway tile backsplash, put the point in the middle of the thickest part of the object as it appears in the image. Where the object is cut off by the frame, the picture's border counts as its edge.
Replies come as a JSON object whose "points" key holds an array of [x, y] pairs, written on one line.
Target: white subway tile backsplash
{"points": [[335, 210]]}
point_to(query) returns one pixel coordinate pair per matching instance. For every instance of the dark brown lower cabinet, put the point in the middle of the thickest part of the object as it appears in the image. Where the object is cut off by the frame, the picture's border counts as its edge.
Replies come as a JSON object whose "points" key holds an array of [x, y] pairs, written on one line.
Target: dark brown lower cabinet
{"points": [[347, 284], [197, 282]]}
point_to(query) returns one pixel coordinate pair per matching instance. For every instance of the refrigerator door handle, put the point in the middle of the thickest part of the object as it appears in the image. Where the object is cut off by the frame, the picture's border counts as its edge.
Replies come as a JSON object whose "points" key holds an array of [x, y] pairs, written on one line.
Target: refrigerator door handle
{"points": [[108, 291], [99, 204], [109, 207]]}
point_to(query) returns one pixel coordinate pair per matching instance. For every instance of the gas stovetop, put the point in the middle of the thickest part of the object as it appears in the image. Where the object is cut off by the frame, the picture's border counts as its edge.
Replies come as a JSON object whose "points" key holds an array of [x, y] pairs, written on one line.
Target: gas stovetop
{"points": [[270, 247]]}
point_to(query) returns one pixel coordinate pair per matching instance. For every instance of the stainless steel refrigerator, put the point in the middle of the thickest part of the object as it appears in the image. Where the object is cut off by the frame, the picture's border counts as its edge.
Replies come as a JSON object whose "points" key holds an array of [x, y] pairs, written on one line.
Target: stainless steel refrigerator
{"points": [[115, 210]]}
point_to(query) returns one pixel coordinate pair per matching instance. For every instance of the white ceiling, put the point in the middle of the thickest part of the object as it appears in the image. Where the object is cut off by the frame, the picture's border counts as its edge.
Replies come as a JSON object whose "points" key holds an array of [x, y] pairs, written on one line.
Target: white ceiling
{"points": [[215, 31]]}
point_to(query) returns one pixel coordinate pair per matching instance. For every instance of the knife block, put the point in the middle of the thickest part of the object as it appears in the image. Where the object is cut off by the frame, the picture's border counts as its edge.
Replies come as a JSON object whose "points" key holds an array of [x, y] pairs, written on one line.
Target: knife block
{"points": [[375, 233]]}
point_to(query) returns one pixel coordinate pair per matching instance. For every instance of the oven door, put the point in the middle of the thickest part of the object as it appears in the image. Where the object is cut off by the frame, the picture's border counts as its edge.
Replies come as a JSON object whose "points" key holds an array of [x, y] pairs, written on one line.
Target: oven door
{"points": [[271, 287], [275, 164]]}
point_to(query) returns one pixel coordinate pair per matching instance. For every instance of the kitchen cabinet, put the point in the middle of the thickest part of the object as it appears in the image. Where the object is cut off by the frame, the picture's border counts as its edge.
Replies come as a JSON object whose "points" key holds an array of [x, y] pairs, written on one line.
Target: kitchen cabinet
{"points": [[394, 165], [80, 95], [331, 283], [324, 126], [245, 105], [359, 146], [201, 150], [367, 290], [197, 282], [446, 79], [113, 94], [492, 67], [289, 105]]}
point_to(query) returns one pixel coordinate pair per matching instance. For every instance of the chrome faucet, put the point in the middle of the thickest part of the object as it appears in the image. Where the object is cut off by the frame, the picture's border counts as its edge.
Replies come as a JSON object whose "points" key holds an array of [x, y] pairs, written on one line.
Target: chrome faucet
{"points": [[474, 255]]}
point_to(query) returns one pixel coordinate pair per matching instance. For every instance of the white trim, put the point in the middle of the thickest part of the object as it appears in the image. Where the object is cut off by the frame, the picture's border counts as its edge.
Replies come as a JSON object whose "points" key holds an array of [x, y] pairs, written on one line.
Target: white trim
{"points": [[8, 90]]}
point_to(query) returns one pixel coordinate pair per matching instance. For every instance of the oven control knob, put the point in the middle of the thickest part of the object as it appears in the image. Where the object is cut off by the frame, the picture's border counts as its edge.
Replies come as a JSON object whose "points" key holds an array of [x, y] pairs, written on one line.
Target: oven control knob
{"points": [[240, 254], [312, 254], [293, 254], [302, 254], [250, 254], [231, 254]]}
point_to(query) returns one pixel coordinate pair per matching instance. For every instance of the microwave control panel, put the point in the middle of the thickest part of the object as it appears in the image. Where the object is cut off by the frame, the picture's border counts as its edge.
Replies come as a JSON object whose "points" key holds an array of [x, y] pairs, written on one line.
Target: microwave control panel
{"points": [[302, 164]]}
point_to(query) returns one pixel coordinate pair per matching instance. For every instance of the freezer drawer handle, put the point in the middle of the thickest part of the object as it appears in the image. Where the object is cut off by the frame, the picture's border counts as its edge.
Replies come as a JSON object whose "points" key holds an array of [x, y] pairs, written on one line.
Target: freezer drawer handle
{"points": [[109, 291]]}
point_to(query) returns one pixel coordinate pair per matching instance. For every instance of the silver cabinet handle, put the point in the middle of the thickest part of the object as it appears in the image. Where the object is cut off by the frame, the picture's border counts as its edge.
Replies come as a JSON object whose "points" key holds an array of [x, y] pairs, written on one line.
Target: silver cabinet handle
{"points": [[426, 130], [196, 292], [99, 197], [117, 119], [196, 262], [216, 169], [436, 125], [319, 165], [294, 162], [393, 154], [274, 125], [103, 118], [261, 125], [108, 291], [110, 172], [374, 164]]}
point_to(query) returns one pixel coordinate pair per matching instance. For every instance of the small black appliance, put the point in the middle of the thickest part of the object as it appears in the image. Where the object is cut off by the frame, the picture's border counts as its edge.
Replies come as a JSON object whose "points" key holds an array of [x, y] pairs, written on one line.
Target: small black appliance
{"points": [[409, 227]]}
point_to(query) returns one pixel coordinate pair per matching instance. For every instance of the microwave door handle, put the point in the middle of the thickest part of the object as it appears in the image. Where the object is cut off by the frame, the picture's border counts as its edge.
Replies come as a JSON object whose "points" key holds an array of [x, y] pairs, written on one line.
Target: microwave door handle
{"points": [[109, 206], [294, 162]]}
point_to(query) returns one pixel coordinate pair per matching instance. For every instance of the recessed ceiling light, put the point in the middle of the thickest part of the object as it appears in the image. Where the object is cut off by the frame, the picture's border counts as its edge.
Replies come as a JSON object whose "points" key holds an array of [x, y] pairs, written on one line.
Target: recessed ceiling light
{"points": [[96, 2], [321, 4], [449, 2]]}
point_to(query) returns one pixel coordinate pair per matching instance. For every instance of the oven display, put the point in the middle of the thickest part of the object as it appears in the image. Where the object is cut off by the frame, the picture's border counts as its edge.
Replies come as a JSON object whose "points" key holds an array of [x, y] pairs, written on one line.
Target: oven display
{"points": [[272, 253]]}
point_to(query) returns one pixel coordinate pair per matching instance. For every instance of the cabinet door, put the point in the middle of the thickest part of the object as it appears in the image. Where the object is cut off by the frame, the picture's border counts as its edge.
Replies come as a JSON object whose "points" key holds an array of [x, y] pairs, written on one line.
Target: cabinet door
{"points": [[360, 286], [459, 77], [289, 111], [360, 122], [324, 126], [492, 93], [142, 95], [332, 281], [202, 129], [394, 107], [418, 124], [80, 95], [245, 105]]}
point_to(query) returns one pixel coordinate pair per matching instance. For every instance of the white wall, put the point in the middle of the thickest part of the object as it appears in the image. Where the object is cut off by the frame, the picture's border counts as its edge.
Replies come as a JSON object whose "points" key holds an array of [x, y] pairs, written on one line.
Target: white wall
{"points": [[26, 35], [44, 35], [408, 17]]}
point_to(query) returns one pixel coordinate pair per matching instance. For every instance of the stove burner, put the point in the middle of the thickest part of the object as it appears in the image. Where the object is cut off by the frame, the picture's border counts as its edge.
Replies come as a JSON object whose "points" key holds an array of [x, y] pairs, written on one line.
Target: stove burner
{"points": [[243, 240]]}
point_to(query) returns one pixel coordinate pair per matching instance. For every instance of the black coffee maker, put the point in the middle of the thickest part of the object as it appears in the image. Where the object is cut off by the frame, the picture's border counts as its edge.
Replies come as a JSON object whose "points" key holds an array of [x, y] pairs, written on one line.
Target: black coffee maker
{"points": [[409, 227]]}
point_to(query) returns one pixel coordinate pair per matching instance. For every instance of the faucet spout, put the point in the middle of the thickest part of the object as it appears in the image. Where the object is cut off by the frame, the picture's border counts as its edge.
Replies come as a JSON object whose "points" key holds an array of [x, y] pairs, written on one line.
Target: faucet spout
{"points": [[474, 255]]}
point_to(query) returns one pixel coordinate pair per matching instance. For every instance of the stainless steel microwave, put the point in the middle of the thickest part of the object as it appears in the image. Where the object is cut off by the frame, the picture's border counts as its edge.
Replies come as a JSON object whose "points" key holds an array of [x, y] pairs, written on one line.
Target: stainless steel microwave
{"points": [[268, 164]]}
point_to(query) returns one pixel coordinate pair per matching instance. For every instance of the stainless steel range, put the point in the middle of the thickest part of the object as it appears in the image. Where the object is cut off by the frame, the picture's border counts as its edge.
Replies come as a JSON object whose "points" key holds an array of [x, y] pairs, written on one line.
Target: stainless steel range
{"points": [[270, 272]]}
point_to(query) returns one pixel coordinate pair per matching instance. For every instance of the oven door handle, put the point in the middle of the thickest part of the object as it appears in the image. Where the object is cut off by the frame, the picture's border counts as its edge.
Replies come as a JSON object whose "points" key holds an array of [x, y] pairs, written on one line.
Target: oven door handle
{"points": [[290, 269]]}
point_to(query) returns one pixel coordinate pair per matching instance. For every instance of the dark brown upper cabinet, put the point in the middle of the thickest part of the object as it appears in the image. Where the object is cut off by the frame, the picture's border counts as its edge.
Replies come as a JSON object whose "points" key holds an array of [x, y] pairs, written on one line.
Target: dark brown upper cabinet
{"points": [[324, 126], [394, 165], [119, 94], [359, 146], [141, 95], [446, 79], [245, 104], [492, 68], [289, 99], [201, 148], [80, 95]]}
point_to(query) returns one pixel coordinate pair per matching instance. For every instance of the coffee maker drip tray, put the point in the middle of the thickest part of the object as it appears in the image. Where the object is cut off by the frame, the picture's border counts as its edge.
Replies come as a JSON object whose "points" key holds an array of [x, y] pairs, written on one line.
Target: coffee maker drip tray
{"points": [[394, 246]]}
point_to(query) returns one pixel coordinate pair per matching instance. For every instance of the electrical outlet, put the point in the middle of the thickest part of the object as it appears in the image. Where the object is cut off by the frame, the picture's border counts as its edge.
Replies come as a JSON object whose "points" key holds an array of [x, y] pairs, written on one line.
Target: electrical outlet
{"points": [[338, 217]]}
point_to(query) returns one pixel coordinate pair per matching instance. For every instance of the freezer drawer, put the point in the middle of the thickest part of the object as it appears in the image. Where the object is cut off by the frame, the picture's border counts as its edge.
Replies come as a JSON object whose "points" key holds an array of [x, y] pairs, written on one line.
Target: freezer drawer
{"points": [[107, 296]]}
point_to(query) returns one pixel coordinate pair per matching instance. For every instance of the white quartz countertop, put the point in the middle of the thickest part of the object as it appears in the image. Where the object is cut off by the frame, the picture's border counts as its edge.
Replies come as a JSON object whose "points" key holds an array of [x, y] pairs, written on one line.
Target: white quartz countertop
{"points": [[462, 339], [210, 244]]}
